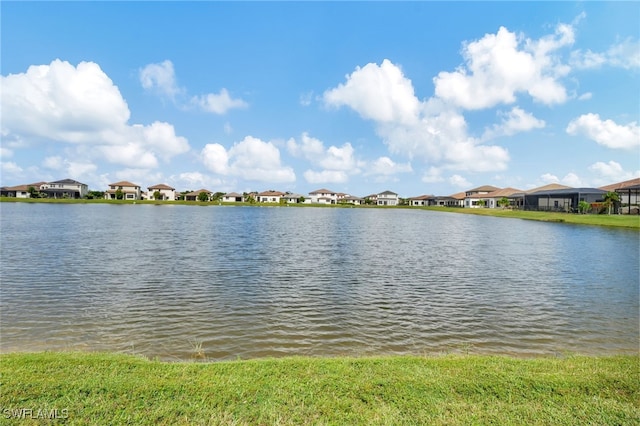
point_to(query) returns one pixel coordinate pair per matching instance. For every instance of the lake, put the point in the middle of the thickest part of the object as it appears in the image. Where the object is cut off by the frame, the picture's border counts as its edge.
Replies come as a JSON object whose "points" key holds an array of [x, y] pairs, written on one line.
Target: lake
{"points": [[226, 282]]}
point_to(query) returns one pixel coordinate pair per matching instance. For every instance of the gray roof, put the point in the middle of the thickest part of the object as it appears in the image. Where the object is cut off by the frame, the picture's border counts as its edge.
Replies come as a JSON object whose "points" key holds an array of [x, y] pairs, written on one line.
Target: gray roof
{"points": [[568, 191]]}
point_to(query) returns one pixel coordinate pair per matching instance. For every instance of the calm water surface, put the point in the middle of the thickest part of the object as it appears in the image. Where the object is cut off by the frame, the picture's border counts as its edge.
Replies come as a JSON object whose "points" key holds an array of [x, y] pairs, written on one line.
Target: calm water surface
{"points": [[165, 281]]}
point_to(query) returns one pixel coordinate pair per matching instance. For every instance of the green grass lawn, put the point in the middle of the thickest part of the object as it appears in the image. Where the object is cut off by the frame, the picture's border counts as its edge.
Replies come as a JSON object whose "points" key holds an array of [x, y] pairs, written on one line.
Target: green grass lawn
{"points": [[101, 389]]}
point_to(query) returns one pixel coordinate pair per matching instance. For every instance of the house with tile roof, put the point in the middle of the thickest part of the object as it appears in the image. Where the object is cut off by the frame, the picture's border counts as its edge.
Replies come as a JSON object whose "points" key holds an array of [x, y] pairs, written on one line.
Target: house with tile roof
{"points": [[195, 195], [270, 196], [474, 198], [20, 191], [161, 192], [420, 201], [233, 197], [323, 196], [128, 190], [628, 194]]}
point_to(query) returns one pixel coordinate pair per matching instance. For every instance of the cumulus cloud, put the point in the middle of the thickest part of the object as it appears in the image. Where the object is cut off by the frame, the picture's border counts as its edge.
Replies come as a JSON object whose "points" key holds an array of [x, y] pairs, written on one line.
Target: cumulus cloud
{"points": [[80, 105], [337, 163], [218, 103], [459, 181], [606, 132], [429, 130], [377, 92], [386, 166], [624, 54], [570, 179], [515, 121], [499, 66], [250, 159], [326, 176], [160, 78], [611, 172], [432, 175]]}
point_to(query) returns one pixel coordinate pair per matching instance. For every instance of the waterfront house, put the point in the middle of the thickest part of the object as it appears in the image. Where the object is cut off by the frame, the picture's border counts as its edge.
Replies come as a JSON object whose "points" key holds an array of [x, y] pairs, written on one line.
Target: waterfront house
{"points": [[65, 188], [562, 200], [126, 189], [233, 197], [455, 200], [517, 199], [270, 196], [195, 195], [421, 200], [473, 198], [163, 192], [20, 191], [492, 199], [292, 198], [387, 198], [350, 199], [628, 194], [323, 196]]}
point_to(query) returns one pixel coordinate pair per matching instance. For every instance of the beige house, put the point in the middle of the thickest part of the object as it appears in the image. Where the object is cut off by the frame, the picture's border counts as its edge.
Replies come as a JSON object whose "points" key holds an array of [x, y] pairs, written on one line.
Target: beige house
{"points": [[163, 192], [194, 196], [129, 191], [473, 198], [421, 200], [233, 197], [20, 191], [270, 196]]}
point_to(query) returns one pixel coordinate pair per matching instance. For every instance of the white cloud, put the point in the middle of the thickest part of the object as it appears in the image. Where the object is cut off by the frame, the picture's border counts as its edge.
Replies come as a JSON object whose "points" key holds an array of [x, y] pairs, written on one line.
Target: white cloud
{"points": [[585, 96], [515, 121], [338, 163], [326, 176], [250, 159], [160, 78], [81, 106], [611, 172], [459, 181], [218, 103], [10, 168], [53, 163], [606, 132], [625, 54], [385, 166], [432, 175], [429, 130], [305, 98], [570, 179], [5, 152], [380, 93], [197, 180], [499, 66]]}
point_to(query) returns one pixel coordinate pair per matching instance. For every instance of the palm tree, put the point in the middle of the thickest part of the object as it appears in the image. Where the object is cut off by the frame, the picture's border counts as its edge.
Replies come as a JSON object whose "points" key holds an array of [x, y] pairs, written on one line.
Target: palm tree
{"points": [[610, 199]]}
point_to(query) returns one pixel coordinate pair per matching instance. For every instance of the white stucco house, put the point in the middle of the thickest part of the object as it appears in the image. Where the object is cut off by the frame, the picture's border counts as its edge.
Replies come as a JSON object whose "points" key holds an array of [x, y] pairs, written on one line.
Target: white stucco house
{"points": [[164, 192], [323, 196], [387, 198], [65, 188]]}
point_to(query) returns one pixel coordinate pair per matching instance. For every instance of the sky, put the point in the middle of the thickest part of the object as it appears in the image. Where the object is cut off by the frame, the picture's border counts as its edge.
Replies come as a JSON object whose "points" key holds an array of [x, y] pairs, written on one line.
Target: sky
{"points": [[356, 97]]}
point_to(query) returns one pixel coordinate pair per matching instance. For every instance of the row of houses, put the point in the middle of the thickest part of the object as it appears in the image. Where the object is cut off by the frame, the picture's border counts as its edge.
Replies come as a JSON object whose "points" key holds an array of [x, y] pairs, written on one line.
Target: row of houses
{"points": [[553, 197]]}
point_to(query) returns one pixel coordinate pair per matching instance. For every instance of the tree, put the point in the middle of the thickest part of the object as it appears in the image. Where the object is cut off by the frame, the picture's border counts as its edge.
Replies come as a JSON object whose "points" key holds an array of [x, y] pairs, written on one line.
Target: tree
{"points": [[610, 199], [203, 196], [503, 202], [301, 199], [481, 203], [157, 195], [33, 193], [119, 194], [217, 196], [584, 207]]}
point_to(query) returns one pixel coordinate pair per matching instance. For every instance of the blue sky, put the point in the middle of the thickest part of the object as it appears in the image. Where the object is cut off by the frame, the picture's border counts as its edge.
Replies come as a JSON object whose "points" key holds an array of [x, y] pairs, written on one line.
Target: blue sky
{"points": [[359, 97]]}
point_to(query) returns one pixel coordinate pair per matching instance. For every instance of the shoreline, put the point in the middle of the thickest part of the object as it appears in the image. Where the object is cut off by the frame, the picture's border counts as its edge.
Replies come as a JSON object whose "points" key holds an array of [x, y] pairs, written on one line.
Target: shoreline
{"points": [[613, 220]]}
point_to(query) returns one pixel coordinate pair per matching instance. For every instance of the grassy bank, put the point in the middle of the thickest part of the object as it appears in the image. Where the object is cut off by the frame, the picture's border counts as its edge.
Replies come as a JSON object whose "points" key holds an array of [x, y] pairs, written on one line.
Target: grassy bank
{"points": [[84, 388], [623, 221]]}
